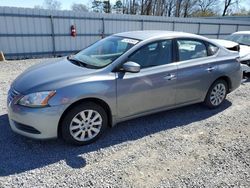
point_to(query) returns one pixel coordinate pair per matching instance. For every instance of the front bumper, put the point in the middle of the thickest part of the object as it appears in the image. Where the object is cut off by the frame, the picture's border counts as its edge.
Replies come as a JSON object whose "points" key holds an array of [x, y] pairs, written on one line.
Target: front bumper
{"points": [[37, 123]]}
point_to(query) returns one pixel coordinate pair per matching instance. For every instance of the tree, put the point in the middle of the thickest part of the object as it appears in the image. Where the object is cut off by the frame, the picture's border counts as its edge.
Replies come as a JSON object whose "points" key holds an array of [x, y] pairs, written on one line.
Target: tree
{"points": [[170, 7], [159, 8], [207, 13], [207, 5], [38, 7], [241, 12], [118, 7], [178, 8], [97, 6], [148, 7], [106, 6], [79, 7], [228, 4], [188, 7], [52, 4]]}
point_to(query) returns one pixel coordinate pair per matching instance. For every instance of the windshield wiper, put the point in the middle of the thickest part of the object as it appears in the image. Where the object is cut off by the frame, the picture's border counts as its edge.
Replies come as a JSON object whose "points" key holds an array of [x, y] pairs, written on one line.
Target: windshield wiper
{"points": [[81, 63], [76, 61]]}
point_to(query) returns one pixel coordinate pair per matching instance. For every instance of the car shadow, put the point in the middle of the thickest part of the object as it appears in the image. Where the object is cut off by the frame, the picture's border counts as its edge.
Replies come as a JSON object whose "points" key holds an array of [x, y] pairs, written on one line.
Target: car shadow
{"points": [[19, 154]]}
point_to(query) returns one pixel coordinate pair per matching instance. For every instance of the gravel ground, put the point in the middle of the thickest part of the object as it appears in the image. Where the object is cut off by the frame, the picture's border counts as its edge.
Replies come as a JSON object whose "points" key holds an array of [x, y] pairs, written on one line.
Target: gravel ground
{"points": [[186, 147]]}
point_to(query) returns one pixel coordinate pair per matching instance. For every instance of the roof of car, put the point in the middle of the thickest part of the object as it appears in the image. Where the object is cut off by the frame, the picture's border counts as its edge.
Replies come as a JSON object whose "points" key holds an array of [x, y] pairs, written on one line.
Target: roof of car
{"points": [[242, 32], [147, 34]]}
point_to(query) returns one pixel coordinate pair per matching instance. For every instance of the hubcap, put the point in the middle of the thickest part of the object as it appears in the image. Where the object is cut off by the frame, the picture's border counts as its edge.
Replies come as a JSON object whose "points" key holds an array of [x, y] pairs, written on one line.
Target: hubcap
{"points": [[85, 125], [218, 94]]}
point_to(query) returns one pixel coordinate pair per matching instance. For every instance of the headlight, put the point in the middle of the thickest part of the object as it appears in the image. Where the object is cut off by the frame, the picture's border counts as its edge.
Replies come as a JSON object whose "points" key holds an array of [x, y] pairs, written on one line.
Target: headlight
{"points": [[39, 99]]}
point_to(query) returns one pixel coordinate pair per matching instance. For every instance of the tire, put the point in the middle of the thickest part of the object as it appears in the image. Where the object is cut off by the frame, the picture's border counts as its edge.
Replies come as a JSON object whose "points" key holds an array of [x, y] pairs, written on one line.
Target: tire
{"points": [[84, 124], [216, 94]]}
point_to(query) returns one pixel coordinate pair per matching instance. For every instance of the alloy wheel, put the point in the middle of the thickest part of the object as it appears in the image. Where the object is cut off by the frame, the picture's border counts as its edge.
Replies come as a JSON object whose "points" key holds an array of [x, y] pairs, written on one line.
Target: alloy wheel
{"points": [[85, 125], [218, 94]]}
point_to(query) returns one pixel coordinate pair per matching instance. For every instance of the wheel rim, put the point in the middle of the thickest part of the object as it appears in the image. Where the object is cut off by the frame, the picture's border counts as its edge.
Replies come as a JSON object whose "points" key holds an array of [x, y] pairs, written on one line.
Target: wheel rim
{"points": [[218, 94], [86, 125]]}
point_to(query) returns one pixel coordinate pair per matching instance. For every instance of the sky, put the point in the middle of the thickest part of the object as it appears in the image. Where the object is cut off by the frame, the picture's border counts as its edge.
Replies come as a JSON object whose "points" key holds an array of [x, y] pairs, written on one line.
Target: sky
{"points": [[66, 4]]}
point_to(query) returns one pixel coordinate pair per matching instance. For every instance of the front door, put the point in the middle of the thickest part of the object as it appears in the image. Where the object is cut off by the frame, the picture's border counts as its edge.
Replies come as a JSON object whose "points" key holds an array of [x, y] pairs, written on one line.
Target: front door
{"points": [[153, 87]]}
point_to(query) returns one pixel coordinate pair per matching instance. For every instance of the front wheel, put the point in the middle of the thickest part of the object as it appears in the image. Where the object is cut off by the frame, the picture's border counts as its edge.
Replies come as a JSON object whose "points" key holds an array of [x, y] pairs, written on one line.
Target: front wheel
{"points": [[216, 94], [84, 124]]}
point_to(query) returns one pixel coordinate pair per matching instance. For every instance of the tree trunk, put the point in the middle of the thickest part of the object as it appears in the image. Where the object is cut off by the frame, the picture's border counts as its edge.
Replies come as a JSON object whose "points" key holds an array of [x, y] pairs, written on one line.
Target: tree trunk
{"points": [[227, 4], [178, 5], [142, 7]]}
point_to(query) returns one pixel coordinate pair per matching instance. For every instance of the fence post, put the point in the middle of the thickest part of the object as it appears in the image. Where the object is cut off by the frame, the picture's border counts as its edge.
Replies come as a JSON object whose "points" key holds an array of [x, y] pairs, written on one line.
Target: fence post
{"points": [[237, 27], [53, 35], [218, 33], [142, 24], [199, 28], [103, 27]]}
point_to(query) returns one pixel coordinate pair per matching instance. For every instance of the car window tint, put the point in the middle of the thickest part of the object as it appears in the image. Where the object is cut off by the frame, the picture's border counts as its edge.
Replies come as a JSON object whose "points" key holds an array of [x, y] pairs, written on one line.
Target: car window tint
{"points": [[152, 47], [191, 49], [122, 46], [154, 54], [111, 47], [243, 39], [246, 39], [212, 49]]}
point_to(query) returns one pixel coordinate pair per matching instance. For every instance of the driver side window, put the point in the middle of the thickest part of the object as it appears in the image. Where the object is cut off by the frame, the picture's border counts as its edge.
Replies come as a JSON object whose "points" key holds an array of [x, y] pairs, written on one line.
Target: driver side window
{"points": [[153, 54]]}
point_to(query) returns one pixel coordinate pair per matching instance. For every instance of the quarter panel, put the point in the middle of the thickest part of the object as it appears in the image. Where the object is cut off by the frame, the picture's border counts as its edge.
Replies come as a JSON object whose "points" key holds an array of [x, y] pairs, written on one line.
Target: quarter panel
{"points": [[231, 69]]}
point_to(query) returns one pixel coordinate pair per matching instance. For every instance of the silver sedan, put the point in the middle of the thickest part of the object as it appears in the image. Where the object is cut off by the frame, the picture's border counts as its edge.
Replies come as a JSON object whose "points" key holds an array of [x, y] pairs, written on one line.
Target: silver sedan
{"points": [[121, 77]]}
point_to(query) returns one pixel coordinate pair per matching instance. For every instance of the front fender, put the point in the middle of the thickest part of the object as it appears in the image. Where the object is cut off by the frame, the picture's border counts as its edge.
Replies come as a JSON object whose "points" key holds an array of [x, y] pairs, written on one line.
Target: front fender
{"points": [[104, 90]]}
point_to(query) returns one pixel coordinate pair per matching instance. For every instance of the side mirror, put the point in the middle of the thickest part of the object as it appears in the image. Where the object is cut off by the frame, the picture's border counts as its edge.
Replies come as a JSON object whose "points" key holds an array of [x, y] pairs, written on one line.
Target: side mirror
{"points": [[131, 66]]}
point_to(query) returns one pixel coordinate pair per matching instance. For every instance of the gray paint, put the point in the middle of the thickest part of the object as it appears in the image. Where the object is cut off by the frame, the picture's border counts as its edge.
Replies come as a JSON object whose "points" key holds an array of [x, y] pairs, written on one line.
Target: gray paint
{"points": [[128, 95], [27, 33]]}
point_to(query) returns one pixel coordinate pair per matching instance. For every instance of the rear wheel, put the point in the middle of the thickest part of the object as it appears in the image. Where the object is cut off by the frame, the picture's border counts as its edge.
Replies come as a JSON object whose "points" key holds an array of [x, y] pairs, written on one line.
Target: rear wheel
{"points": [[84, 123], [216, 94]]}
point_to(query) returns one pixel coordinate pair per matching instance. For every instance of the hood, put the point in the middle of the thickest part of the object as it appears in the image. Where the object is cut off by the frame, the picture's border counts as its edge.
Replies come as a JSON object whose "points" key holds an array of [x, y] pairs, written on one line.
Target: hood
{"points": [[50, 76]]}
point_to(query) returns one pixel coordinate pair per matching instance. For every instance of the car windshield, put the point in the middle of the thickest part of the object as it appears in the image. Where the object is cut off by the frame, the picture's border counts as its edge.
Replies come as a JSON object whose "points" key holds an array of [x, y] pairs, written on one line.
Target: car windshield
{"points": [[104, 52], [243, 39]]}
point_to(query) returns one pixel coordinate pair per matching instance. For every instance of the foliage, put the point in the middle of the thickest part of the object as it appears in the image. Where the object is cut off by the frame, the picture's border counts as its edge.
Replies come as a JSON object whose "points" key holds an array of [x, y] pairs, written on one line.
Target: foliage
{"points": [[49, 4], [169, 8], [79, 7], [97, 6], [52, 4]]}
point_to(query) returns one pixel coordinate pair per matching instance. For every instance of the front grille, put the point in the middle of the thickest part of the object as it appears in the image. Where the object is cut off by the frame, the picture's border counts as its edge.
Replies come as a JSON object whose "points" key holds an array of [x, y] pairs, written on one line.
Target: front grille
{"points": [[12, 94], [26, 128]]}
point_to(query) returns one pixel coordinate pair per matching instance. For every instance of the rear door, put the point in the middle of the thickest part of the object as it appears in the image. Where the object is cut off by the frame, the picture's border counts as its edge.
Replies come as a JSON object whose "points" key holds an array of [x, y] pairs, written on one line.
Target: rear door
{"points": [[195, 70]]}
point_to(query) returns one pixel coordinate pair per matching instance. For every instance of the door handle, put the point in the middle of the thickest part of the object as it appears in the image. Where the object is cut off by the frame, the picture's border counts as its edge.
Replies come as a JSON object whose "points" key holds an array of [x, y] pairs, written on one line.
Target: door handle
{"points": [[210, 69], [170, 77]]}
